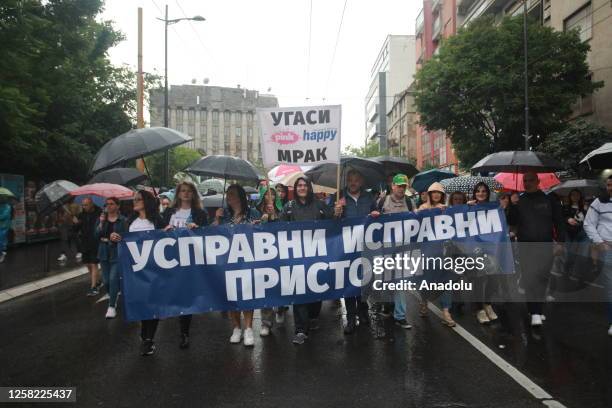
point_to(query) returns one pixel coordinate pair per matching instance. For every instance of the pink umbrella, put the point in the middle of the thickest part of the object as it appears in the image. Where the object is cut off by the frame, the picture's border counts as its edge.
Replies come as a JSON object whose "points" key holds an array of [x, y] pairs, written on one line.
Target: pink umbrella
{"points": [[514, 181], [103, 190], [282, 170]]}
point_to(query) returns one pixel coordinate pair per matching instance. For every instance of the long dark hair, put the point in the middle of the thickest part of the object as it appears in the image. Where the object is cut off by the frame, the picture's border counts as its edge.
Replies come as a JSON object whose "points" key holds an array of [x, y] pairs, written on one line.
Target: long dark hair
{"points": [[151, 205], [244, 203], [195, 197], [580, 200], [457, 193], [309, 195], [487, 189]]}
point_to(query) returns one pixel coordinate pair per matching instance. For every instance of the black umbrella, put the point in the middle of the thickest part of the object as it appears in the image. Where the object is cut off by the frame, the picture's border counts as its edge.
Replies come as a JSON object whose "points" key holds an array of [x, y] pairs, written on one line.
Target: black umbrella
{"points": [[135, 144], [326, 174], [520, 161], [600, 158], [395, 165], [225, 167], [119, 175], [424, 179], [587, 187], [54, 195]]}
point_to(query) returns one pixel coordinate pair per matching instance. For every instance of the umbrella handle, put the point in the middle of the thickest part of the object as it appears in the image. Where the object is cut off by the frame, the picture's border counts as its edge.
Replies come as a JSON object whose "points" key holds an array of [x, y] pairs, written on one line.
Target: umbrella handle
{"points": [[149, 175]]}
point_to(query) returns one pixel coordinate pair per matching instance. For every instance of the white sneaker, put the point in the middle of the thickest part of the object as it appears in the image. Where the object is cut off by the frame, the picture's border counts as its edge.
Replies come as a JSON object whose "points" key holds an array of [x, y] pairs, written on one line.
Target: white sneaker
{"points": [[236, 336], [265, 331], [536, 320], [610, 331], [482, 317], [2, 256], [111, 312], [280, 317], [490, 312], [543, 317], [249, 339], [62, 258], [78, 256]]}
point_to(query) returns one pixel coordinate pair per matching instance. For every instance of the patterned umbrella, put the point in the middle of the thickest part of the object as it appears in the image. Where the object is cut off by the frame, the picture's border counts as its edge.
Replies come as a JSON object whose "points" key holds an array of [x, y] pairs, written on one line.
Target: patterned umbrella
{"points": [[279, 172], [211, 184], [466, 184], [54, 195]]}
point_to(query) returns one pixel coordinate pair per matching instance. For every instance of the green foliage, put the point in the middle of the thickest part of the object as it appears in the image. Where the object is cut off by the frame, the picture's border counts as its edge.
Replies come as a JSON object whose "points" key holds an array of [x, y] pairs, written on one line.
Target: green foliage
{"points": [[60, 98], [572, 144], [179, 158], [474, 87], [371, 149]]}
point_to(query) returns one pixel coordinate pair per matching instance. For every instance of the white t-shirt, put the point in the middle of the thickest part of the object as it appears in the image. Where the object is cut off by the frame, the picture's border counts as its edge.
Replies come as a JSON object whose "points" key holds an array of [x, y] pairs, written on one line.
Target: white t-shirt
{"points": [[180, 217], [140, 224]]}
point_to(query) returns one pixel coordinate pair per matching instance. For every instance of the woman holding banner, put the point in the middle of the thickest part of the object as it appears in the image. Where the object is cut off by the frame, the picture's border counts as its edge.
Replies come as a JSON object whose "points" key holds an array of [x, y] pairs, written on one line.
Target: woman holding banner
{"points": [[238, 212], [304, 207], [484, 286], [186, 212]]}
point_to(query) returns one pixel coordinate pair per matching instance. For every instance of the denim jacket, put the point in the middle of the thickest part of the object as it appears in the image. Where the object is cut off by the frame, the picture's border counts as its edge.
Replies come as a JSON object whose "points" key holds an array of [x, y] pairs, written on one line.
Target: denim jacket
{"points": [[107, 250]]}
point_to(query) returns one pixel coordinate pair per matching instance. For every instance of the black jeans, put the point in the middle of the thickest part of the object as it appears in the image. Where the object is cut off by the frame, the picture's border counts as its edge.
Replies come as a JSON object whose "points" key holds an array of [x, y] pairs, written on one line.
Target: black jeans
{"points": [[302, 314], [355, 306], [149, 327]]}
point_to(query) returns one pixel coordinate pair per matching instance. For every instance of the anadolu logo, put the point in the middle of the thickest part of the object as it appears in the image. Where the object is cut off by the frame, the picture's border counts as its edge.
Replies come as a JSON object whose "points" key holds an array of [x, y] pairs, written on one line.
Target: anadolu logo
{"points": [[285, 137]]}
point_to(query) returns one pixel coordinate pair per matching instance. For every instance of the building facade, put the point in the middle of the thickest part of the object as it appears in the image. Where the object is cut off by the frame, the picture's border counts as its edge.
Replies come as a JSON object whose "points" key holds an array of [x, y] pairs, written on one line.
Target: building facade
{"points": [[593, 19], [436, 21], [221, 120], [402, 126], [391, 73]]}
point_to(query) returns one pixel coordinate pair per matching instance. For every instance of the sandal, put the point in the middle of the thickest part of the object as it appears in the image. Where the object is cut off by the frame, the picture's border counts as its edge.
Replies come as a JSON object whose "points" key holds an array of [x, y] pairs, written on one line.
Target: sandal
{"points": [[447, 320]]}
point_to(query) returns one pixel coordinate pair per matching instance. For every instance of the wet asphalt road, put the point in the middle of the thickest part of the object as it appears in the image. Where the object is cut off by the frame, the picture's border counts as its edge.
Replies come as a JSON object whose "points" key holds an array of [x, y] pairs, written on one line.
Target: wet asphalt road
{"points": [[58, 337]]}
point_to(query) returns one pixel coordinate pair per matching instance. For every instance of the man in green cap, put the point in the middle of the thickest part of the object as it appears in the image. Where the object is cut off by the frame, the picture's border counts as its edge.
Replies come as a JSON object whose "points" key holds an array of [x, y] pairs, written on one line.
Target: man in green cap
{"points": [[397, 202]]}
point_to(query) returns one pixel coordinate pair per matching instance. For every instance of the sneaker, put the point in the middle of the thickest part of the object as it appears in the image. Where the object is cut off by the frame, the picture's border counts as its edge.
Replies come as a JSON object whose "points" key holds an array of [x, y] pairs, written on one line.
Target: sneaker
{"points": [[184, 342], [99, 285], [62, 258], [147, 348], [236, 336], [93, 292], [543, 317], [265, 331], [350, 326], [536, 320], [249, 339], [490, 312], [280, 317], [2, 256], [403, 323], [299, 338], [314, 324], [78, 256], [111, 312], [610, 331], [482, 317]]}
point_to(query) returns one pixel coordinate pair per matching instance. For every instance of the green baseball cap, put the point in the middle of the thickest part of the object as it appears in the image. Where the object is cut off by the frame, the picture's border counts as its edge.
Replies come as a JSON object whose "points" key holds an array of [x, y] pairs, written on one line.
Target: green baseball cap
{"points": [[400, 180]]}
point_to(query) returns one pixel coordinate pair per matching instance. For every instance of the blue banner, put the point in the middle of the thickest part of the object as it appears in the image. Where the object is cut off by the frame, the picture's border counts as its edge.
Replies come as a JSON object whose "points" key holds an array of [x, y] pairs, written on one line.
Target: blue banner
{"points": [[246, 267]]}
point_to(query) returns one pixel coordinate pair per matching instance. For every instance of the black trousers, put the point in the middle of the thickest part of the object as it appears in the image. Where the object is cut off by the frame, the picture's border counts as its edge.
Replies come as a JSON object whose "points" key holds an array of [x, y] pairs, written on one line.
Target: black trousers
{"points": [[354, 307], [536, 262], [149, 327], [303, 313]]}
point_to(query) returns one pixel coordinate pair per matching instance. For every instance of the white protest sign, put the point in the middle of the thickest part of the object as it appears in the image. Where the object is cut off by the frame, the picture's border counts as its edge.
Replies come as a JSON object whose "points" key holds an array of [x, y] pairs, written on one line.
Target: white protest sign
{"points": [[303, 135]]}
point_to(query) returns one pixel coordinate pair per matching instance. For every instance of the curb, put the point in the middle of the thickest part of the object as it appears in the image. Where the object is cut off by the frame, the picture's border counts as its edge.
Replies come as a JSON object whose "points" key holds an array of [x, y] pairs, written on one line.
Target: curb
{"points": [[27, 288]]}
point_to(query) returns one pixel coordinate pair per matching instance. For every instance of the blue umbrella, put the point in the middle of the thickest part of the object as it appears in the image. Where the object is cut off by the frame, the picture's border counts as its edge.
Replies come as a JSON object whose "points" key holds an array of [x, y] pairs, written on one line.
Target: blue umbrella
{"points": [[423, 180]]}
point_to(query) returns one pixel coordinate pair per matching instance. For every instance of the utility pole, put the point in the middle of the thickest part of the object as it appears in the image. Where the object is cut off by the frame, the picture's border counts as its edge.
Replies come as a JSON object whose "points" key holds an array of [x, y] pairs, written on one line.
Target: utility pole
{"points": [[525, 75], [140, 88]]}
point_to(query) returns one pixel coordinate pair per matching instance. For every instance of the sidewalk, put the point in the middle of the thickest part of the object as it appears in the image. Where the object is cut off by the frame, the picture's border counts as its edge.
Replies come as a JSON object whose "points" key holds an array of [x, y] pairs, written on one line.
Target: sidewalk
{"points": [[26, 263]]}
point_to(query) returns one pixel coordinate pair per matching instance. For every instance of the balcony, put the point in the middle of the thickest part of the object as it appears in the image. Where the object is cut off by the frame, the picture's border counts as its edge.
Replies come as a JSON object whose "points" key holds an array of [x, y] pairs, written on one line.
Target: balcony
{"points": [[373, 114], [435, 5], [419, 23], [463, 6], [437, 28]]}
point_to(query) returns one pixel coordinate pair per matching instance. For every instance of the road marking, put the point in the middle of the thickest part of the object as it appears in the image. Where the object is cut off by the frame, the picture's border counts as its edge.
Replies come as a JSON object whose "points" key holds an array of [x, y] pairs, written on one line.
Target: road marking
{"points": [[524, 381], [26, 288]]}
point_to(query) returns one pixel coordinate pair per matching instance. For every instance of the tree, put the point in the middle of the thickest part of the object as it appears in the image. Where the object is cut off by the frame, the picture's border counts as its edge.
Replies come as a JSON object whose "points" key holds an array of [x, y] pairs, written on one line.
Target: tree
{"points": [[576, 141], [473, 89], [180, 158], [60, 97], [371, 149]]}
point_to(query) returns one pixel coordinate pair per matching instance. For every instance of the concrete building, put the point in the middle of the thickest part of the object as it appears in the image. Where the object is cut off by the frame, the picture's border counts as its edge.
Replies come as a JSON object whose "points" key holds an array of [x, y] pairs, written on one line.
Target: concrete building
{"points": [[591, 17], [402, 126], [436, 21], [391, 73], [221, 120]]}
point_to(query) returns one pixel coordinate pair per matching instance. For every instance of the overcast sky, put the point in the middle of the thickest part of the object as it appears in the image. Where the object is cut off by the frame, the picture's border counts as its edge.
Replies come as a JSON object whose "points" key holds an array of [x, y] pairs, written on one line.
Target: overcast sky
{"points": [[263, 44]]}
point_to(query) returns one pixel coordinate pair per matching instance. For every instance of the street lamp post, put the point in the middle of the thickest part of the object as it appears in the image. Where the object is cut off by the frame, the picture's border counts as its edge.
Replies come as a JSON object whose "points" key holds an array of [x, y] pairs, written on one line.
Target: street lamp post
{"points": [[525, 74], [167, 22]]}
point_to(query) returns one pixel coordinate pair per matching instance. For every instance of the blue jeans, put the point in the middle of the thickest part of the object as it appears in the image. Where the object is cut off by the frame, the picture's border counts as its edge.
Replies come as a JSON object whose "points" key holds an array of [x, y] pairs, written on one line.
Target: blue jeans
{"points": [[606, 259], [3, 239], [399, 310], [110, 276]]}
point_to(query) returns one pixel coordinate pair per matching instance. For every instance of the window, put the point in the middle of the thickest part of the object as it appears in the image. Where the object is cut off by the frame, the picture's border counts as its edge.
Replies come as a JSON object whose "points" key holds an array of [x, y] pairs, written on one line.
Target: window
{"points": [[249, 117], [226, 133], [227, 116], [215, 116], [179, 119], [582, 20], [203, 124], [238, 118], [215, 137], [249, 133], [191, 122]]}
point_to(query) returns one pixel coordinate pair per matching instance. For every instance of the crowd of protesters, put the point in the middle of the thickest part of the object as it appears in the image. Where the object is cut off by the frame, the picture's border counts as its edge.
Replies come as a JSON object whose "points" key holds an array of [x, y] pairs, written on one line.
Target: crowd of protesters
{"points": [[543, 225]]}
